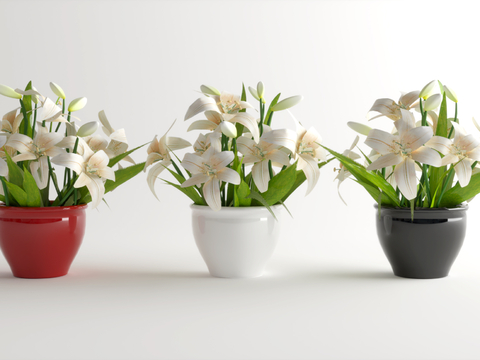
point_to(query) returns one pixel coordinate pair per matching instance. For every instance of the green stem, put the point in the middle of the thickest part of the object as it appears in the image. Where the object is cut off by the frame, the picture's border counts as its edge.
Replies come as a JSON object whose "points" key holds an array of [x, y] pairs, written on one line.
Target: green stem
{"points": [[5, 191], [455, 120], [424, 114], [50, 169], [25, 117], [69, 193], [34, 121], [270, 169]]}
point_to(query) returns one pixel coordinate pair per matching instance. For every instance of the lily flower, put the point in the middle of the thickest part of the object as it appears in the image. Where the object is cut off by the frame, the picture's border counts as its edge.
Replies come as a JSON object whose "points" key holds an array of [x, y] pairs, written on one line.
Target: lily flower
{"points": [[219, 121], [210, 169], [92, 169], [402, 151], [159, 152], [462, 151], [391, 109], [306, 149], [342, 172], [118, 140], [11, 122], [225, 103], [36, 150], [259, 155], [204, 142]]}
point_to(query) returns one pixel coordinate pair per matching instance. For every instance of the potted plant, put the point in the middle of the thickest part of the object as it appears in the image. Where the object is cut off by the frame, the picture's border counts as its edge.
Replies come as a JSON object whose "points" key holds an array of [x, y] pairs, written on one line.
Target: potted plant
{"points": [[238, 176], [39, 236], [410, 173]]}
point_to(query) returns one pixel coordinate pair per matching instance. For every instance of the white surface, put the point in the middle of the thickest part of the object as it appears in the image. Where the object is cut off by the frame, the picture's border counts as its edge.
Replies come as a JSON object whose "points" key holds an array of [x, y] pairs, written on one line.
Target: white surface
{"points": [[139, 288]]}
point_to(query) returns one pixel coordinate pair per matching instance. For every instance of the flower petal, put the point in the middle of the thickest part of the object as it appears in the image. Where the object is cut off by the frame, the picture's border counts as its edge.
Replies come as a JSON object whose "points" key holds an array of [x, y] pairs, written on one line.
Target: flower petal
{"points": [[107, 128], [153, 174], [439, 143], [390, 159], [106, 173], [196, 179], [359, 128], [283, 137], [99, 160], [474, 154], [228, 175], [409, 98], [427, 156], [310, 168], [82, 180], [200, 105], [211, 192], [221, 160], [20, 142], [96, 187], [450, 159], [386, 107], [119, 135], [416, 137], [24, 156], [3, 167], [202, 125], [39, 170], [406, 178], [74, 162], [249, 122], [464, 171], [278, 156], [193, 163], [380, 141], [261, 176], [468, 142]]}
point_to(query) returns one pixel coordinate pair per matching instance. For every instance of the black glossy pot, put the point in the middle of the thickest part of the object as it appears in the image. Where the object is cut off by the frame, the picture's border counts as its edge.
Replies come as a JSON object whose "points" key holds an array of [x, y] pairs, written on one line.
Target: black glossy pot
{"points": [[426, 247]]}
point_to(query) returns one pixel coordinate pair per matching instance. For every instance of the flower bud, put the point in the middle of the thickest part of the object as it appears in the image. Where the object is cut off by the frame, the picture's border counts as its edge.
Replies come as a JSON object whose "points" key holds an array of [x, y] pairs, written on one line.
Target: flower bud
{"points": [[432, 102], [9, 92], [210, 90], [228, 129], [260, 89], [254, 93], [57, 90], [287, 103], [77, 104], [87, 129], [451, 94], [427, 90], [359, 128]]}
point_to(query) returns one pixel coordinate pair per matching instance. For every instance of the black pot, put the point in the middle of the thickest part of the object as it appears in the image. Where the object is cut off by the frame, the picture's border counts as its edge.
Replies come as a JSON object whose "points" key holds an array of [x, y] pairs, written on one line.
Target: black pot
{"points": [[425, 247]]}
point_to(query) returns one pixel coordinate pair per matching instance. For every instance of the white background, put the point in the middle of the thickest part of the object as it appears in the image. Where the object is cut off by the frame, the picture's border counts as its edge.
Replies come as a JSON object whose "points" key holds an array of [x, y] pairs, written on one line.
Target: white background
{"points": [[138, 288]]}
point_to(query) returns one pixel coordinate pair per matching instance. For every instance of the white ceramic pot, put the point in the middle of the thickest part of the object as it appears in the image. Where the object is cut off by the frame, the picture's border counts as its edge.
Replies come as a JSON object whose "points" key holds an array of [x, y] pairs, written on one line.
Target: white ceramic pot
{"points": [[236, 242]]}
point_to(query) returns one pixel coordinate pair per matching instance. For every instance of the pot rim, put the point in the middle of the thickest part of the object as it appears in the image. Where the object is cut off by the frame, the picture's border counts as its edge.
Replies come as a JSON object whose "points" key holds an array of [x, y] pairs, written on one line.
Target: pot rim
{"points": [[231, 209], [43, 208], [425, 213]]}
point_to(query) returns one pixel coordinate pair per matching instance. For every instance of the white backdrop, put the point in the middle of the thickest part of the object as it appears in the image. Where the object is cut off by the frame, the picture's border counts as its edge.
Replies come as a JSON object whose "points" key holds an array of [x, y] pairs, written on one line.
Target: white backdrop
{"points": [[139, 288]]}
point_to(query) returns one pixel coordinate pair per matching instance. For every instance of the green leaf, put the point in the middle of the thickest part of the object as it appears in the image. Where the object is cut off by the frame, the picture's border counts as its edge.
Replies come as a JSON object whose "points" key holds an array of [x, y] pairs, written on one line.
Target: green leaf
{"points": [[442, 125], [280, 185], [190, 191], [34, 198], [15, 174], [269, 114], [121, 176], [300, 179], [256, 196], [241, 194], [367, 177], [456, 195], [118, 158], [18, 194], [436, 178]]}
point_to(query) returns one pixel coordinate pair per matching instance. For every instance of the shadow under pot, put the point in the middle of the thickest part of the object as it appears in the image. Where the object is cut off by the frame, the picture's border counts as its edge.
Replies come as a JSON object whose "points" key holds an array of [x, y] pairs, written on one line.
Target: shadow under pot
{"points": [[425, 247], [236, 242], [41, 242]]}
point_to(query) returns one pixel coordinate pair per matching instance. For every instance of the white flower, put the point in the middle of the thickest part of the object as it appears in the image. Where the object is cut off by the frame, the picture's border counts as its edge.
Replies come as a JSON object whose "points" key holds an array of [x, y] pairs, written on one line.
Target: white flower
{"points": [[391, 109], [36, 150], [402, 151], [462, 151], [217, 121], [159, 152], [91, 168], [427, 90], [210, 169], [450, 94], [57, 90], [77, 104], [10, 122], [259, 155], [118, 140], [287, 103], [224, 103], [9, 92], [432, 102], [205, 141]]}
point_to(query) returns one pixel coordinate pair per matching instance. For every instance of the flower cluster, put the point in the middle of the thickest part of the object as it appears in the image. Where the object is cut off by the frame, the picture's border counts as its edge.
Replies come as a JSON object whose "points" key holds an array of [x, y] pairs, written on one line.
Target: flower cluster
{"points": [[413, 166], [31, 141], [237, 160]]}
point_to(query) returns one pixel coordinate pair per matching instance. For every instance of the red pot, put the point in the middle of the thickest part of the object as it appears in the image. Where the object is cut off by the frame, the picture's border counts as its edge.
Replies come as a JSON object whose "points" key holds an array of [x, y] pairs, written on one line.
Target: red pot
{"points": [[41, 242]]}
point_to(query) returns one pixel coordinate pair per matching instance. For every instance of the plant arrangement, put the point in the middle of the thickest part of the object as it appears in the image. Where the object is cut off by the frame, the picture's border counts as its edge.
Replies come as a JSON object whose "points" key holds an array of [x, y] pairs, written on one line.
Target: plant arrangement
{"points": [[415, 165], [33, 141], [242, 160]]}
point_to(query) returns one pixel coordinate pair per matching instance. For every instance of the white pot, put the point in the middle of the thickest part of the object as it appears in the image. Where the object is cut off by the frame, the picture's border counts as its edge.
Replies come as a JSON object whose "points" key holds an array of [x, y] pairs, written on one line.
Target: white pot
{"points": [[236, 242]]}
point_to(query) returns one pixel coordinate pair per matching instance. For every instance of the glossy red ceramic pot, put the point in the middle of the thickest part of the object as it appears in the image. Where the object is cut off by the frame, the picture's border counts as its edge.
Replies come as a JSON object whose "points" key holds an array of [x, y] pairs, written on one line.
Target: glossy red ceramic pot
{"points": [[41, 242]]}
